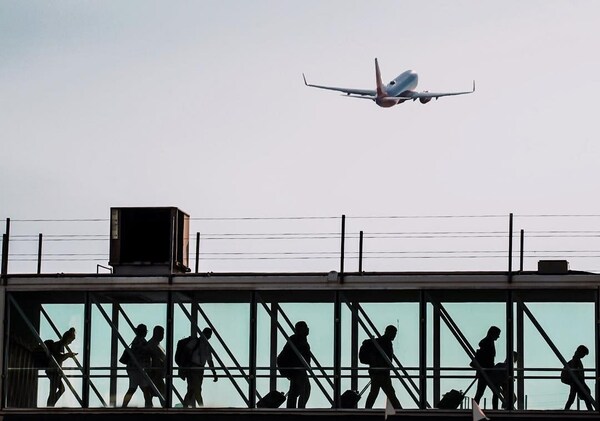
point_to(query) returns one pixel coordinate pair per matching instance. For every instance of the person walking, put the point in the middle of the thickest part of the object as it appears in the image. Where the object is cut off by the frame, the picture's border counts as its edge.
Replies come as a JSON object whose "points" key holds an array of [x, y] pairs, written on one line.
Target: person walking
{"points": [[379, 369], [485, 356], [200, 354], [292, 366], [576, 367], [57, 350]]}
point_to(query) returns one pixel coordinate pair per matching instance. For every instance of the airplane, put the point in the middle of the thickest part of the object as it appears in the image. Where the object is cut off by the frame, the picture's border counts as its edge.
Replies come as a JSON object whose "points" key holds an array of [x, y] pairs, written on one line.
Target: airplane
{"points": [[396, 92]]}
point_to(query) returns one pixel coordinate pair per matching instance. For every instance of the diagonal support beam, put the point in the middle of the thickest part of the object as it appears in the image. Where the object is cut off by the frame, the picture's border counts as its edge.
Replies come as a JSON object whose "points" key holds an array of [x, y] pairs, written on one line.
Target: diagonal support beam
{"points": [[46, 350], [554, 349], [219, 360], [77, 363], [297, 352]]}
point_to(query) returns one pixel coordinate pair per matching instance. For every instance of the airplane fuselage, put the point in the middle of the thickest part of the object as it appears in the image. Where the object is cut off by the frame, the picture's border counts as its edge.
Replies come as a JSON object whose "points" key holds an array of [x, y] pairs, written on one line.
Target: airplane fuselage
{"points": [[400, 86]]}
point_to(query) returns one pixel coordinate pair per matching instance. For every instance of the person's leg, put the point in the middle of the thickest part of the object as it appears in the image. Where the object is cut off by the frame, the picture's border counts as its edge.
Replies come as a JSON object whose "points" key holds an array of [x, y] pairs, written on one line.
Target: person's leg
{"points": [[373, 392], [52, 391], [131, 390], [147, 391], [304, 392], [388, 389], [495, 397], [571, 399], [200, 378], [294, 391], [188, 399], [481, 385], [588, 403]]}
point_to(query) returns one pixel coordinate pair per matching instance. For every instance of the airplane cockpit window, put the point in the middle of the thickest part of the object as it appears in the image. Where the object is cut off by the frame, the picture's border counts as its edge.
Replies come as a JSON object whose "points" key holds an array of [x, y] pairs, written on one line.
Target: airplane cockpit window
{"points": [[393, 82]]}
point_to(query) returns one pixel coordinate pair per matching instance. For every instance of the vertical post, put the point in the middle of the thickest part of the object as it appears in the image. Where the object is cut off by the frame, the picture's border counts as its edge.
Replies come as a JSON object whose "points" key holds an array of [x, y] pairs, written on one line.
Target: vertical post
{"points": [[360, 252], [522, 252], [342, 248], [436, 356], [508, 396], [197, 250], [354, 349], [597, 344], [521, 403], [5, 326], [39, 260], [422, 350], [273, 353], [337, 350], [169, 350], [510, 246], [87, 339], [5, 240], [114, 355], [252, 353]]}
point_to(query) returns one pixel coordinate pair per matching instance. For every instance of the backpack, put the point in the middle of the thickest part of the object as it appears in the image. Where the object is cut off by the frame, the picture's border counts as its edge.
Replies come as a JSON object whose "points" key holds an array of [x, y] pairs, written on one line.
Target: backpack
{"points": [[40, 357], [285, 360], [565, 377], [183, 355], [367, 352]]}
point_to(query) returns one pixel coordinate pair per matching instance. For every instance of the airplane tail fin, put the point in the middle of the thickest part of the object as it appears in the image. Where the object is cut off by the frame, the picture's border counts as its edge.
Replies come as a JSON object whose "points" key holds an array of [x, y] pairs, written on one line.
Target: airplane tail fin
{"points": [[380, 86]]}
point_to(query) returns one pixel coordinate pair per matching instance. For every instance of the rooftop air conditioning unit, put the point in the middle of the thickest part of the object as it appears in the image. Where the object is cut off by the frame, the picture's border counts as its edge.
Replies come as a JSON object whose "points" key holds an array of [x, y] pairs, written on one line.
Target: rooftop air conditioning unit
{"points": [[151, 241]]}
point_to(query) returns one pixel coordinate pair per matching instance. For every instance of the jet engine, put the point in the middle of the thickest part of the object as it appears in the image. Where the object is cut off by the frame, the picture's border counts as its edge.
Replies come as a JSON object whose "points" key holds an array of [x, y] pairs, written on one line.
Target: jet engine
{"points": [[424, 100]]}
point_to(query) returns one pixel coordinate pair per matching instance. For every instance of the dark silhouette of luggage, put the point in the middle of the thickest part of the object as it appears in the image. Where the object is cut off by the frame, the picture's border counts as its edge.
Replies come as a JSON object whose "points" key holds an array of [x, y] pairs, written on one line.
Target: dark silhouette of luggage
{"points": [[273, 399], [350, 398], [453, 398]]}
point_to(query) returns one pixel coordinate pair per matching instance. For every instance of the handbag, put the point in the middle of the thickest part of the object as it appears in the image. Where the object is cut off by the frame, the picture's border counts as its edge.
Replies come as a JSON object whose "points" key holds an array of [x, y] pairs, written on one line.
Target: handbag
{"points": [[125, 357]]}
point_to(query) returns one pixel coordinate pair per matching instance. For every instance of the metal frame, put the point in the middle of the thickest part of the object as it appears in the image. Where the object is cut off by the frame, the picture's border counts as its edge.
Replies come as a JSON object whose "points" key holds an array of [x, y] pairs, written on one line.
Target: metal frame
{"points": [[516, 310]]}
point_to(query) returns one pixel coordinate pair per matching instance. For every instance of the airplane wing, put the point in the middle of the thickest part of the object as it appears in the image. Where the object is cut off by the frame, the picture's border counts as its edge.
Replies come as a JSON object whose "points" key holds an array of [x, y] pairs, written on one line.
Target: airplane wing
{"points": [[436, 95], [347, 91]]}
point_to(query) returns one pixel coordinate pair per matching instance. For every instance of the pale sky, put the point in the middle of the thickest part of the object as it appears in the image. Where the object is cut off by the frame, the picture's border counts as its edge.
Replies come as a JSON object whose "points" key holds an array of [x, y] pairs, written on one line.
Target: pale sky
{"points": [[201, 105]]}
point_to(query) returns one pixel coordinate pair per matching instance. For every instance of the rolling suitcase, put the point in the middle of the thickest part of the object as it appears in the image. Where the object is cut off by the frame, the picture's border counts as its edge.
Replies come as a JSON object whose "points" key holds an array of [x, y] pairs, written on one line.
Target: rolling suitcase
{"points": [[350, 398], [453, 398], [273, 399]]}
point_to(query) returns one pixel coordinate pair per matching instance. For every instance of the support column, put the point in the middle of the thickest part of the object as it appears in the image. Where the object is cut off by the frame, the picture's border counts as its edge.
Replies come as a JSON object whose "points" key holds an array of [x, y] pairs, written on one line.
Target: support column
{"points": [[509, 350], [252, 354], [520, 363], [114, 355], [273, 350], [354, 347], [436, 356], [422, 351], [87, 339], [169, 350], [337, 351]]}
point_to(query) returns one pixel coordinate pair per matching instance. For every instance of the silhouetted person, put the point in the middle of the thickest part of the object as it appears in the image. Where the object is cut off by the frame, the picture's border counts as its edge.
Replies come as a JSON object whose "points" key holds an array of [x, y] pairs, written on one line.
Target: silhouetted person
{"points": [[57, 350], [501, 378], [200, 354], [156, 372], [137, 377], [294, 368], [485, 357], [577, 369], [379, 369]]}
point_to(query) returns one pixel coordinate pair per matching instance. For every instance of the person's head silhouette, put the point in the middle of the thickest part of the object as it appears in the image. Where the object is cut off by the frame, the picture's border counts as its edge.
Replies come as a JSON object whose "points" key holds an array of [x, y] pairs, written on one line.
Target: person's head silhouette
{"points": [[207, 332], [493, 332], [301, 328], [68, 336], [390, 332], [141, 330], [581, 351], [158, 332]]}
